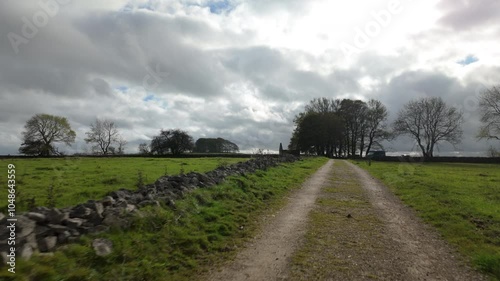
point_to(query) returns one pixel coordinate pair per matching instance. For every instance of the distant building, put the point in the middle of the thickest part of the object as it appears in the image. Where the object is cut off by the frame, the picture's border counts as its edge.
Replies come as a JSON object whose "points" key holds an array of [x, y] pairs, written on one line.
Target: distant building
{"points": [[215, 145], [291, 152], [375, 154]]}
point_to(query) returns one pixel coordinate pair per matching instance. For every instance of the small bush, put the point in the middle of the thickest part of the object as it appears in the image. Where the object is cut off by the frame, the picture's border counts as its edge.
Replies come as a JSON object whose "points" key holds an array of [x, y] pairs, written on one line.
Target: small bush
{"points": [[140, 180], [488, 263], [111, 181], [51, 196]]}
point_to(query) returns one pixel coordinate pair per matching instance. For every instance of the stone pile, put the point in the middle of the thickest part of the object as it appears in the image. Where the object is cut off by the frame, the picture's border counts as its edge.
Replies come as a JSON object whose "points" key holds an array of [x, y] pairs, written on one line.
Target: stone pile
{"points": [[43, 229]]}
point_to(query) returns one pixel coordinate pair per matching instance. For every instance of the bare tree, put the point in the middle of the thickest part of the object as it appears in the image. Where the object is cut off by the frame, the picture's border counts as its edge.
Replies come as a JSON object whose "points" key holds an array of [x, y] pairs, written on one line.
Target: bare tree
{"points": [[489, 104], [354, 114], [122, 143], [493, 152], [322, 105], [429, 121], [103, 133], [42, 131], [320, 133], [144, 148], [376, 124], [120, 149]]}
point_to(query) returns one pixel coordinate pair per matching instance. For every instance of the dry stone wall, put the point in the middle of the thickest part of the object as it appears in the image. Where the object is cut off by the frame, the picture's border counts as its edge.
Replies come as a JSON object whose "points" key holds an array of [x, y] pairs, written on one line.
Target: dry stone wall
{"points": [[44, 229]]}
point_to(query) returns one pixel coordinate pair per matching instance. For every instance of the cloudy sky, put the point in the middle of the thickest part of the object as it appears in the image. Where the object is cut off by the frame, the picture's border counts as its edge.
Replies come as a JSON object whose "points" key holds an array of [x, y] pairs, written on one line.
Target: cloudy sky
{"points": [[238, 69]]}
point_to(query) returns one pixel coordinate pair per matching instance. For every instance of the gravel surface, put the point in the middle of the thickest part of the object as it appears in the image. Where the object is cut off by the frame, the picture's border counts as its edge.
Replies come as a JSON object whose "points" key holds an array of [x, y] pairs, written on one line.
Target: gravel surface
{"points": [[420, 250], [381, 240], [267, 256]]}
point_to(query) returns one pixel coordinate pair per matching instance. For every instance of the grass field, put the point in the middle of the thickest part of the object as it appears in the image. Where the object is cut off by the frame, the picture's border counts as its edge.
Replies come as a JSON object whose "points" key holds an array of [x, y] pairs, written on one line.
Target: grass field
{"points": [[75, 180], [204, 229], [461, 200]]}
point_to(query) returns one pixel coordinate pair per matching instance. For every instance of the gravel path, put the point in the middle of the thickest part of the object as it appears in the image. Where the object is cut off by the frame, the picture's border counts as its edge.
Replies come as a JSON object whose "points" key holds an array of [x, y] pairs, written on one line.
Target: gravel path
{"points": [[267, 256], [406, 249], [422, 253]]}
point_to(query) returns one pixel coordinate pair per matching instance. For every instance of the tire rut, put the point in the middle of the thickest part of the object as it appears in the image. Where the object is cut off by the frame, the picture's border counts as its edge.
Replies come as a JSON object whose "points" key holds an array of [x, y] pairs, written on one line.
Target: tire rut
{"points": [[268, 255], [394, 245], [423, 252]]}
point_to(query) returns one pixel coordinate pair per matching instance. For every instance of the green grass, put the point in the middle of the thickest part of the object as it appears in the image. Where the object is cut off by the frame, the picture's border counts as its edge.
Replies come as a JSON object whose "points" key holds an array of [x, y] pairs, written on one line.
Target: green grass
{"points": [[204, 229], [461, 200], [75, 180]]}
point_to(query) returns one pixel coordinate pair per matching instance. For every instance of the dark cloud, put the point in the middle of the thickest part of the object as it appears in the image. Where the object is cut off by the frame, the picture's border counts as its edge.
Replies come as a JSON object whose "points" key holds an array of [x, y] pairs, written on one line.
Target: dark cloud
{"points": [[411, 85], [381, 66], [466, 15], [122, 46], [171, 66], [485, 74], [278, 78], [417, 84]]}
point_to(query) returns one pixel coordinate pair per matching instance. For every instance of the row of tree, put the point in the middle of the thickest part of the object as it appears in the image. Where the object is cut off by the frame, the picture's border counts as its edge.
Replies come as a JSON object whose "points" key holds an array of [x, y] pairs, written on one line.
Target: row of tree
{"points": [[346, 127], [177, 142], [331, 127], [335, 127], [215, 145], [44, 131]]}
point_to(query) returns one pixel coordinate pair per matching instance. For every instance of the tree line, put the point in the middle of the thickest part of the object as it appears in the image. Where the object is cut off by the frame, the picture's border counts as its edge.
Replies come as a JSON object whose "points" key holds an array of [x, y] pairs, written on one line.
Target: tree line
{"points": [[335, 127], [349, 128], [177, 142], [44, 131], [330, 127]]}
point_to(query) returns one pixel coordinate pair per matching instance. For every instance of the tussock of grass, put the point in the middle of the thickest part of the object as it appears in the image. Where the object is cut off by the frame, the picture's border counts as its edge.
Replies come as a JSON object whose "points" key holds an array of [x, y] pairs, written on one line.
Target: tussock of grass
{"points": [[182, 243], [461, 200]]}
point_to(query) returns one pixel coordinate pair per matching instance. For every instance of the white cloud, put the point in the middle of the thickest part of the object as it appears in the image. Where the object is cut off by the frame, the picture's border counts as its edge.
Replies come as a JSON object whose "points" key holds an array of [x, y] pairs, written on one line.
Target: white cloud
{"points": [[240, 72]]}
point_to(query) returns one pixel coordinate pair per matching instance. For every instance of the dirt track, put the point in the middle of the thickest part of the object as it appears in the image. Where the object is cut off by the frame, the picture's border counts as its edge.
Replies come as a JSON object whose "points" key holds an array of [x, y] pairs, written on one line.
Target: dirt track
{"points": [[421, 252], [406, 249], [266, 258]]}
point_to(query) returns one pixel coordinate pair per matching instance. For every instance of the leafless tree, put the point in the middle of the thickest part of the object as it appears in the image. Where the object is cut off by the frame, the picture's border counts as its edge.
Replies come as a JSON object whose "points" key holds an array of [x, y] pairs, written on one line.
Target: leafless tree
{"points": [[429, 121], [354, 113], [340, 127], [103, 134], [144, 148], [493, 152], [122, 143], [489, 105], [376, 122], [322, 105]]}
